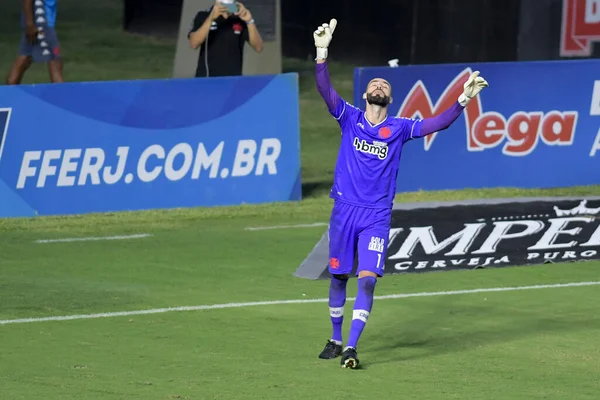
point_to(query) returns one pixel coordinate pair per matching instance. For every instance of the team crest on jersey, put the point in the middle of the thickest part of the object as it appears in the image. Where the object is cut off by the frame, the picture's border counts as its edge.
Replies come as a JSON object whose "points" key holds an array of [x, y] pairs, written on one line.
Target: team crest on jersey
{"points": [[379, 149], [385, 132], [334, 263]]}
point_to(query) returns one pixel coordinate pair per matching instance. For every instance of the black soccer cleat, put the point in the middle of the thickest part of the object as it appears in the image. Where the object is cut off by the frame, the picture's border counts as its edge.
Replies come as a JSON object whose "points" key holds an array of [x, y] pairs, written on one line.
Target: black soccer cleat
{"points": [[349, 358], [331, 350]]}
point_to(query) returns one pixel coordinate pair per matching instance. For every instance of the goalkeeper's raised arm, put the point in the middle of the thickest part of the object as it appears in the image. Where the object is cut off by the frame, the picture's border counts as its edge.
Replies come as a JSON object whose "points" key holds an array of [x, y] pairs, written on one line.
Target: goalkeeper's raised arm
{"points": [[323, 36], [472, 87]]}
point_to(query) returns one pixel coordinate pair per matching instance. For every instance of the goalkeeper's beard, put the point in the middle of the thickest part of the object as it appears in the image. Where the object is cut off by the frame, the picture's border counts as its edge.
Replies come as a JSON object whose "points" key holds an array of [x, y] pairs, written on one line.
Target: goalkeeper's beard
{"points": [[378, 100]]}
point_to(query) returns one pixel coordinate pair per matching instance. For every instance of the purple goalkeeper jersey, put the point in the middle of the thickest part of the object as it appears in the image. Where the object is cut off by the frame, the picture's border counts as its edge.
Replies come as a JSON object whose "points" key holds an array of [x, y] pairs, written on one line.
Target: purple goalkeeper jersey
{"points": [[369, 156]]}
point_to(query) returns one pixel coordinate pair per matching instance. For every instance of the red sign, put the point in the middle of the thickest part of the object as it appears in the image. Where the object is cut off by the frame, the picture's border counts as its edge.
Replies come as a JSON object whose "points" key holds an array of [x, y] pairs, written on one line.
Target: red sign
{"points": [[580, 27]]}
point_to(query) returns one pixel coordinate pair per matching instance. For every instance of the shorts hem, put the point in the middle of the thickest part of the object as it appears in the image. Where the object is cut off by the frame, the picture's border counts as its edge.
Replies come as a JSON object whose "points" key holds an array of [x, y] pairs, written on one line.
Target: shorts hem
{"points": [[379, 274], [351, 203], [336, 272]]}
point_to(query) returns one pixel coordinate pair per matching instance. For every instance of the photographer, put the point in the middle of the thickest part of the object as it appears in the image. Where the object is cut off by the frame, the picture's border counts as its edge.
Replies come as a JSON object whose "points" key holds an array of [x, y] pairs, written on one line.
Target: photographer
{"points": [[221, 33]]}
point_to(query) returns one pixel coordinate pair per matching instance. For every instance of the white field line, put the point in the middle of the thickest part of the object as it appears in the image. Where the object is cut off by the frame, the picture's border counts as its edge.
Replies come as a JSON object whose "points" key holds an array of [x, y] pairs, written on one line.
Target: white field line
{"points": [[89, 239], [277, 302], [262, 228]]}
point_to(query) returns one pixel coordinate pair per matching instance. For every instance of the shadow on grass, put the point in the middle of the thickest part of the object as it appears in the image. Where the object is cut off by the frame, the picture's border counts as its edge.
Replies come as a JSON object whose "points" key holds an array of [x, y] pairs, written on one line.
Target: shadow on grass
{"points": [[422, 336]]}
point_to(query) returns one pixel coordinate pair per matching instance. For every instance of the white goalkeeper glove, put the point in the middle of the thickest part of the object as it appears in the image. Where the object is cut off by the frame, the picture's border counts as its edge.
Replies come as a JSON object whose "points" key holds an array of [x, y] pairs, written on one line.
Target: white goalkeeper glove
{"points": [[323, 36], [472, 87]]}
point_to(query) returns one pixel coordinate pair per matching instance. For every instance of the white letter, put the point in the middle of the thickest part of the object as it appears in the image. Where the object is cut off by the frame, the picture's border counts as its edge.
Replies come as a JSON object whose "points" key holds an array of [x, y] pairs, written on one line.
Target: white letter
{"points": [[589, 253], [557, 225], [592, 17], [402, 266], [26, 169], [422, 264], [188, 155], [46, 169], [475, 262], [500, 232], [426, 237], [244, 158], [68, 166], [502, 260], [203, 160], [595, 107], [594, 239], [596, 145], [110, 178], [393, 233], [488, 261], [268, 159], [91, 169], [143, 173], [531, 256]]}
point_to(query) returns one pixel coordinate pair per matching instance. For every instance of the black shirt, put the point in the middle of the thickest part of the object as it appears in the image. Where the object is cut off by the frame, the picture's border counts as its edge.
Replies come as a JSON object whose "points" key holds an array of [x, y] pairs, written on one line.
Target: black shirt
{"points": [[226, 39]]}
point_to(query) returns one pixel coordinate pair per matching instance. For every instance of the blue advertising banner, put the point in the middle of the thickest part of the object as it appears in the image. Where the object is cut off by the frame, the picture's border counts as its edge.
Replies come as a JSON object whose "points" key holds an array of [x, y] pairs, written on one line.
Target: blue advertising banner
{"points": [[536, 126], [112, 146]]}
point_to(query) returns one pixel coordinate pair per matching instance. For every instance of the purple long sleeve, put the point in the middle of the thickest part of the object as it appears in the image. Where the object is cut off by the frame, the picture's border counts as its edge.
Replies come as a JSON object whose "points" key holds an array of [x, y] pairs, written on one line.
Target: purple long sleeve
{"points": [[441, 121], [331, 97]]}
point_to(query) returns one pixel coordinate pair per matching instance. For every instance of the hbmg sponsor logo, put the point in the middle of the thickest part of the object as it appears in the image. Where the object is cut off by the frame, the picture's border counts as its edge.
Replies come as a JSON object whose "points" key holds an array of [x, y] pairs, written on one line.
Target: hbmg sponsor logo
{"points": [[379, 149]]}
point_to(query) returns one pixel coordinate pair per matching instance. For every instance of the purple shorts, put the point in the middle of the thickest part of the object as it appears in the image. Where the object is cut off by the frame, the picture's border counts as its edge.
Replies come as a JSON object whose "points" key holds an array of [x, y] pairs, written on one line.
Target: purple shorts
{"points": [[46, 48], [355, 229]]}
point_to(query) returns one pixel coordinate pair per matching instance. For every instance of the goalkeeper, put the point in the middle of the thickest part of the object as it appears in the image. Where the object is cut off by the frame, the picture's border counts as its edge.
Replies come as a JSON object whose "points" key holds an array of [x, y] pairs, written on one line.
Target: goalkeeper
{"points": [[364, 188]]}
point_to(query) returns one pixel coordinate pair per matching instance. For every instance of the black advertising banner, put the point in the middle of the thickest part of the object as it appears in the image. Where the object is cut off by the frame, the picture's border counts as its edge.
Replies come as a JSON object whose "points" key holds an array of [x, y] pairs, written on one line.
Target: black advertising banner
{"points": [[493, 235], [488, 233]]}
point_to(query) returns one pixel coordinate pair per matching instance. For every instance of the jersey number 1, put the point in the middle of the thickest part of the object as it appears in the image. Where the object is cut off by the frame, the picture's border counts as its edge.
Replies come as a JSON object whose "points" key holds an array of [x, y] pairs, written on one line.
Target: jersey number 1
{"points": [[379, 261]]}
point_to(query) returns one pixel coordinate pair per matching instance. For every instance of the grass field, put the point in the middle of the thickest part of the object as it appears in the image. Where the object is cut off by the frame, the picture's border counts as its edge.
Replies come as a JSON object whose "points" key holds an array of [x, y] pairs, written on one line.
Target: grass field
{"points": [[538, 344], [526, 344]]}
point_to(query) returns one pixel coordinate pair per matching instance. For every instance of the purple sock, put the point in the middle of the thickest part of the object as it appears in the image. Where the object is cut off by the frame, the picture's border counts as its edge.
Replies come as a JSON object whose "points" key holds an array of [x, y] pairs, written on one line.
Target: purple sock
{"points": [[337, 299], [362, 308]]}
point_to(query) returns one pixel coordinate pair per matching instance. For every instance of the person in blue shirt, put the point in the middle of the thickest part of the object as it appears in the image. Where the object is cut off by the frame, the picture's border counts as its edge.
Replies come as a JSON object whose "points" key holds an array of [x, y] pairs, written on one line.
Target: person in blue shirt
{"points": [[39, 42]]}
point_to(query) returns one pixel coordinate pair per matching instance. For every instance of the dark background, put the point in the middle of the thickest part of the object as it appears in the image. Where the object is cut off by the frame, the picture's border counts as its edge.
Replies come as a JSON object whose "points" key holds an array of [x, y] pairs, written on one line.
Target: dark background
{"points": [[414, 31]]}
